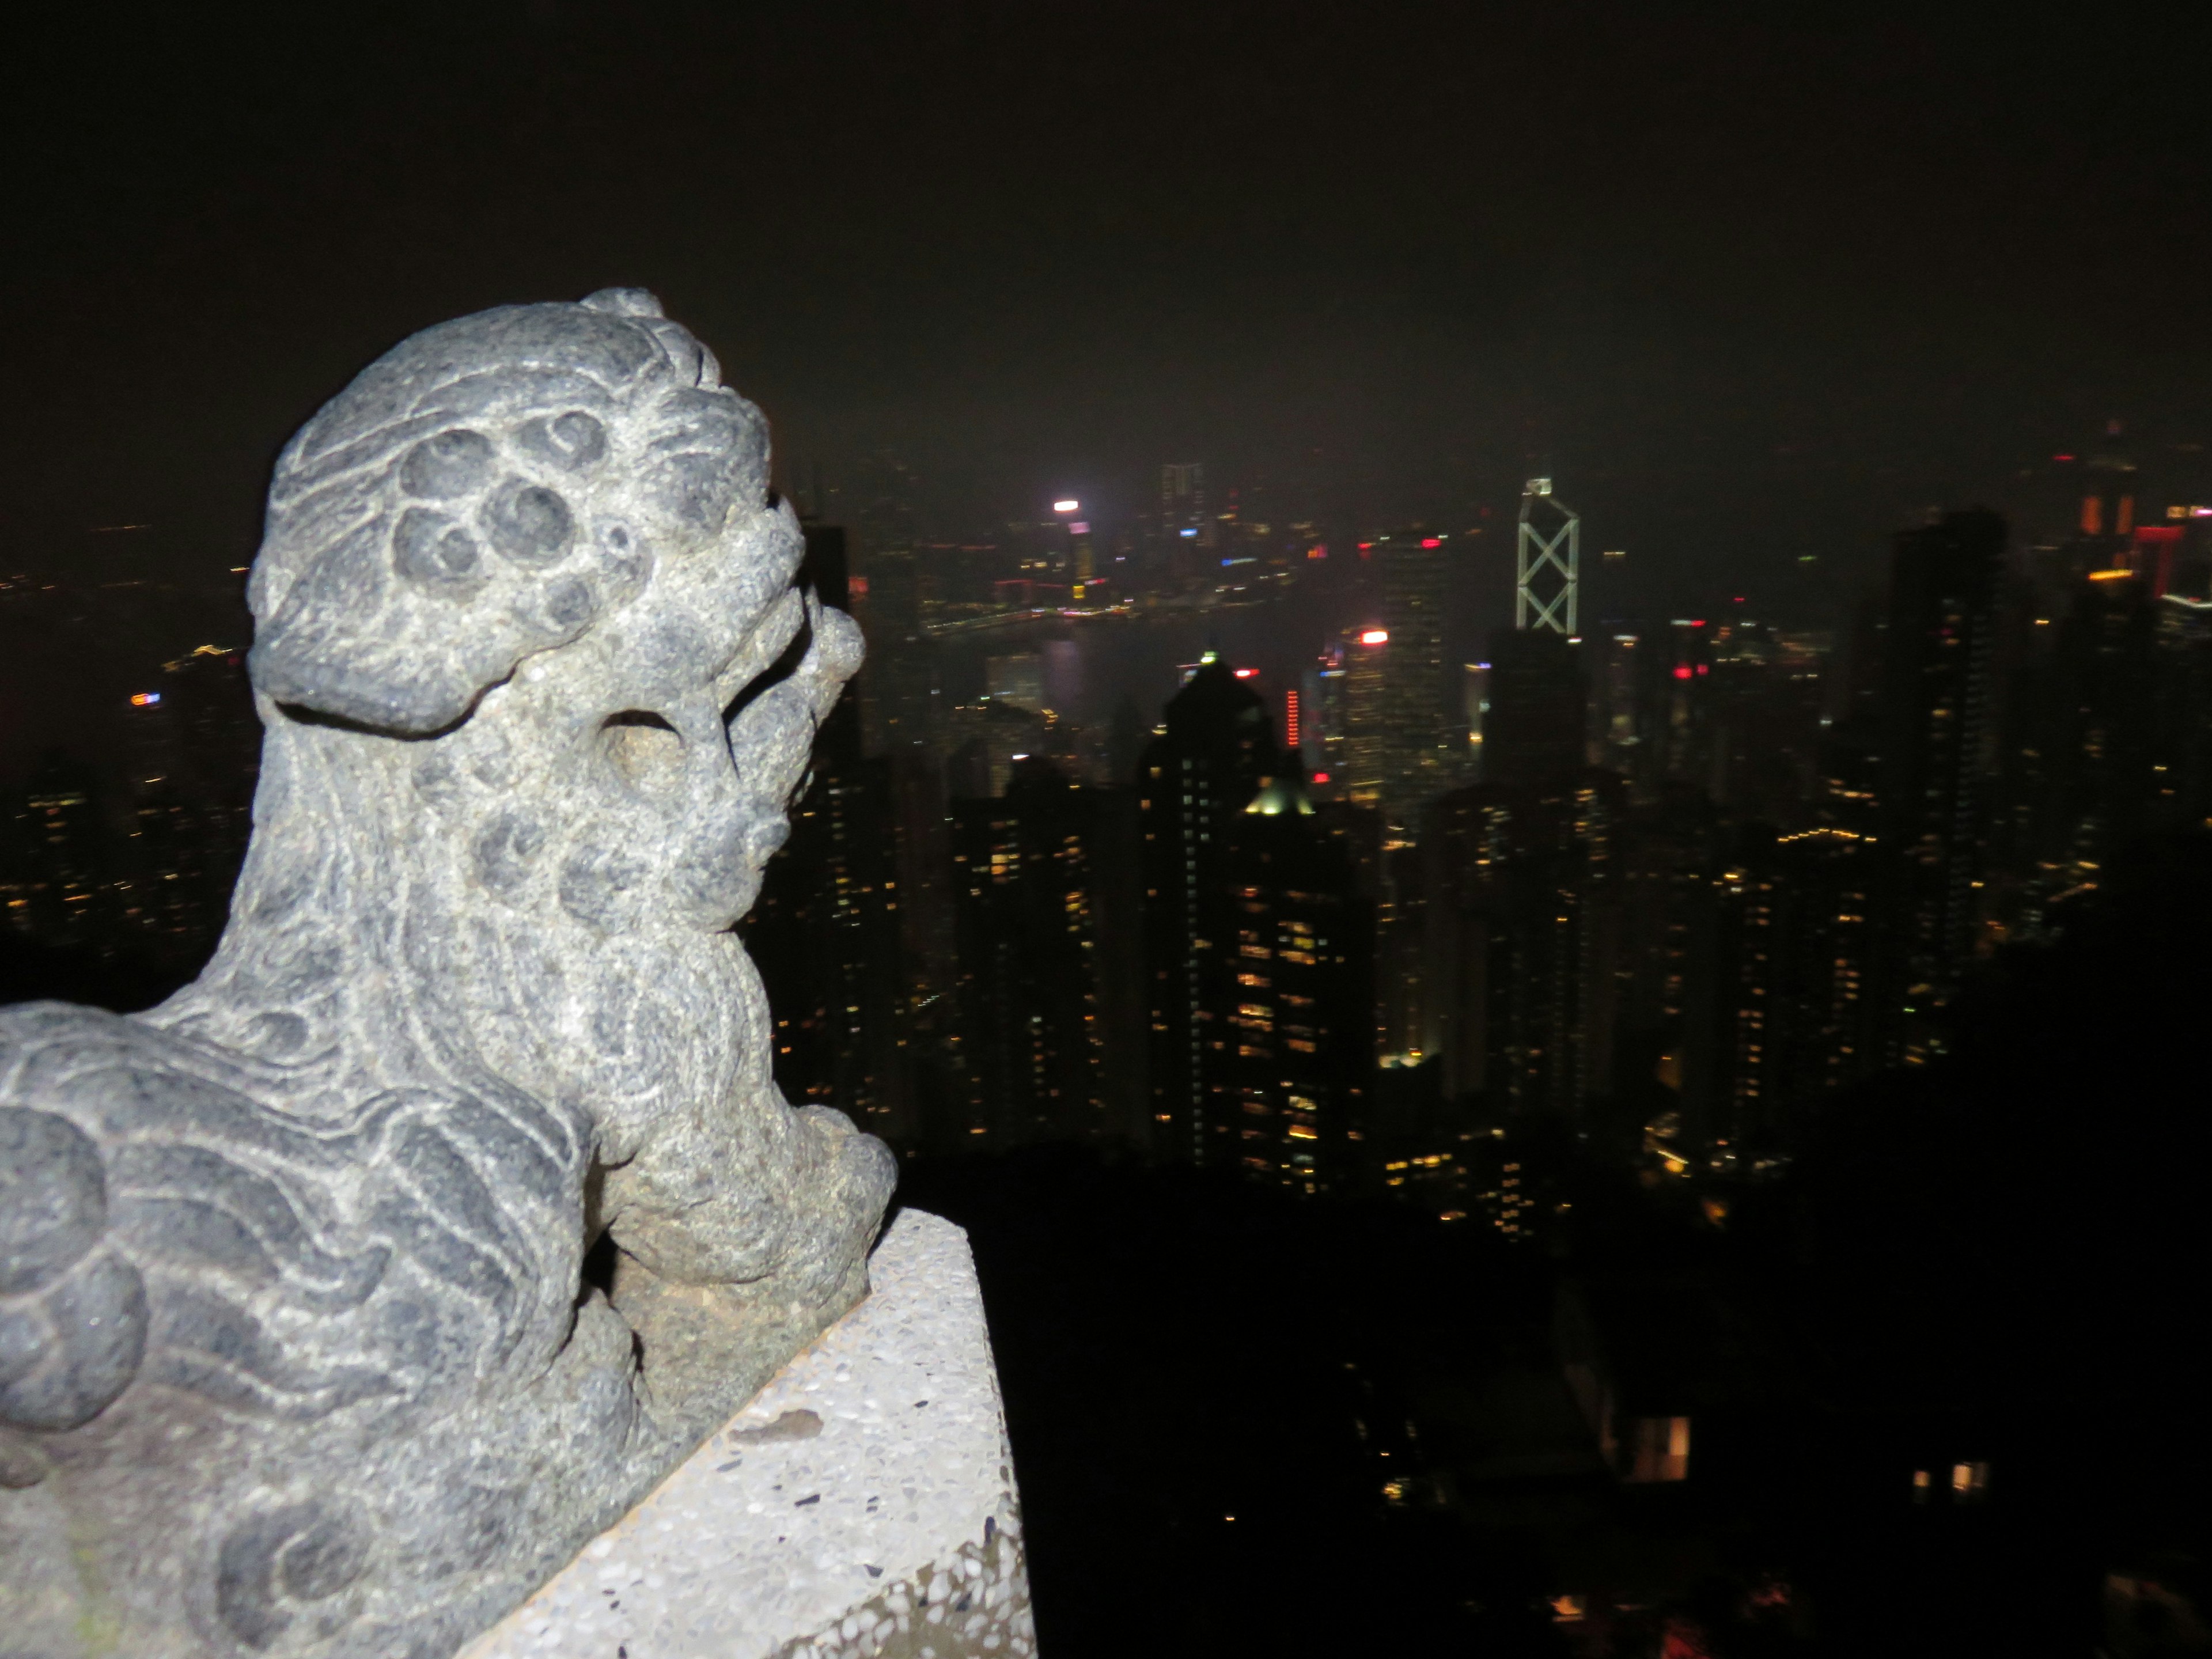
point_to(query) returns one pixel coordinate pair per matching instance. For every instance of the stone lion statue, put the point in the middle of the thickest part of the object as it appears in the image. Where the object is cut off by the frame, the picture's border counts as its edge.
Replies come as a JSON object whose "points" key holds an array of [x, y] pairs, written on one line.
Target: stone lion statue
{"points": [[296, 1353]]}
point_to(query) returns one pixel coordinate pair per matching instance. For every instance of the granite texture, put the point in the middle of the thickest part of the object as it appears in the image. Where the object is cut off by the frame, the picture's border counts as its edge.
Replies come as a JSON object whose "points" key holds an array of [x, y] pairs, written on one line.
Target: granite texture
{"points": [[296, 1357], [863, 1505]]}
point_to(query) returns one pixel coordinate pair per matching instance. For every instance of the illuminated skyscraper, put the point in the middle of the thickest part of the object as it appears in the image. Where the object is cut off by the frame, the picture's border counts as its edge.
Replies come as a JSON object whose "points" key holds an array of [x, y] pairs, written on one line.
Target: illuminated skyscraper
{"points": [[1424, 736], [1185, 553], [1548, 563], [1257, 949], [1032, 1009], [1182, 502], [1363, 742], [1523, 912], [1936, 744], [1797, 930]]}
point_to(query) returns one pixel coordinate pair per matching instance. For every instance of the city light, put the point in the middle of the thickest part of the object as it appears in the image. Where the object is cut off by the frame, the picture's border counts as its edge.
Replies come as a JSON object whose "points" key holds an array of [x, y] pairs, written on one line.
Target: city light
{"points": [[1186, 534], [145, 699], [1375, 636], [1065, 506], [1246, 673]]}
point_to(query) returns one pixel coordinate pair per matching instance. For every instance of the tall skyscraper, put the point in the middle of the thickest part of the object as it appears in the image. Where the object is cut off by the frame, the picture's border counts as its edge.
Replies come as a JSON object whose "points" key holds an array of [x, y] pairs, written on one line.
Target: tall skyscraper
{"points": [[1935, 746], [1523, 925], [1363, 734], [1257, 949], [1539, 700], [1547, 563], [1185, 554], [1797, 926], [1424, 736], [1032, 1004], [1182, 502]]}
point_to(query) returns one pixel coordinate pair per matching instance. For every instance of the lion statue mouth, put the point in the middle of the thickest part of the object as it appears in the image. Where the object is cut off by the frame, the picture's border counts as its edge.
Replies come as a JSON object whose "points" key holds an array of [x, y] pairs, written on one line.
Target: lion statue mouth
{"points": [[300, 1249]]}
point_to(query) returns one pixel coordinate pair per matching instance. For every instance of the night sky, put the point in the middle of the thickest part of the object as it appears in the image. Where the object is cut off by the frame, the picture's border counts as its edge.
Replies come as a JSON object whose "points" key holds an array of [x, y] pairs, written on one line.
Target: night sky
{"points": [[1750, 282]]}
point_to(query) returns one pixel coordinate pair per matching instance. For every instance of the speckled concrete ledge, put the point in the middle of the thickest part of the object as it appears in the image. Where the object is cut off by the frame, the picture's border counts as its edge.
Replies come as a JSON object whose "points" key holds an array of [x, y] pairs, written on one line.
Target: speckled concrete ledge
{"points": [[862, 1504]]}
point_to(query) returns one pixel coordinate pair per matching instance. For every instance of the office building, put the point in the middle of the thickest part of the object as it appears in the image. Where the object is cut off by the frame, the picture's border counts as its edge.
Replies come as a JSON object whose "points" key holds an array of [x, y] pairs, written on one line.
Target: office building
{"points": [[1423, 734], [1538, 696]]}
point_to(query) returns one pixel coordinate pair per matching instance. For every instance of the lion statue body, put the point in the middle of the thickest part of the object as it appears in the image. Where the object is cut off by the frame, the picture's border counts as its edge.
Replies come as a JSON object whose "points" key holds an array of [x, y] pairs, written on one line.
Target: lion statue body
{"points": [[296, 1352]]}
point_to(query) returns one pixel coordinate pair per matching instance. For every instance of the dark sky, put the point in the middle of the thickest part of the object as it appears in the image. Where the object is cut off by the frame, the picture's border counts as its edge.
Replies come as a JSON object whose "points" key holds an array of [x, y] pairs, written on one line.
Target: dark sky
{"points": [[1752, 281]]}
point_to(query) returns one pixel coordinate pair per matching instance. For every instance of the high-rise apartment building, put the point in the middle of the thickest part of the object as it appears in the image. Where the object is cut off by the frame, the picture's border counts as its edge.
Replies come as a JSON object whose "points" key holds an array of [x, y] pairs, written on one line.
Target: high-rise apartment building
{"points": [[1033, 1013], [1523, 928], [1797, 926]]}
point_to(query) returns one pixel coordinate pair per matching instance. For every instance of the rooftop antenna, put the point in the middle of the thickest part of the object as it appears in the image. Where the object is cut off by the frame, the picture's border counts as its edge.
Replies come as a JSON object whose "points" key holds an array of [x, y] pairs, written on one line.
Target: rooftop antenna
{"points": [[1547, 560]]}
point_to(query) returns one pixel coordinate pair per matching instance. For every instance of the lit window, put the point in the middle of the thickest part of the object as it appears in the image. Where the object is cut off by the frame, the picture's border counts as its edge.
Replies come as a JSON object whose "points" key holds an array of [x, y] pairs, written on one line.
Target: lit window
{"points": [[1970, 1482], [1660, 1449]]}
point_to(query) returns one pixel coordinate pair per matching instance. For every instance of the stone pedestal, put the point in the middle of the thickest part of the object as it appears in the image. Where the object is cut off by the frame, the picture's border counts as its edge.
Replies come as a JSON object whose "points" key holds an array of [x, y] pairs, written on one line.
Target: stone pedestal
{"points": [[863, 1504]]}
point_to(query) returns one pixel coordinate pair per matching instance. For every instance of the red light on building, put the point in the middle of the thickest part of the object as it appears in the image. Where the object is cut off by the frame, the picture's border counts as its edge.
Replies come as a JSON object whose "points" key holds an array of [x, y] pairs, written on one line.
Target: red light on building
{"points": [[1290, 718], [1432, 541], [2161, 540], [1320, 777], [1683, 672], [1246, 673], [1703, 669], [856, 588], [2062, 458]]}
